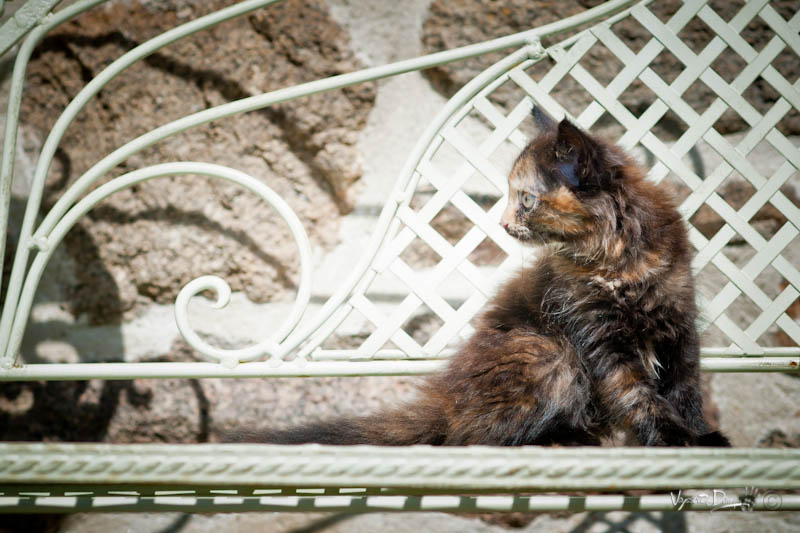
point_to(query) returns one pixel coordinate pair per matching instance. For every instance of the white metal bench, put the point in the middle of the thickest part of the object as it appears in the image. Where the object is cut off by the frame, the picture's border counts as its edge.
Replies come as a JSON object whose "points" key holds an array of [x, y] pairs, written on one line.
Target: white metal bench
{"points": [[459, 155]]}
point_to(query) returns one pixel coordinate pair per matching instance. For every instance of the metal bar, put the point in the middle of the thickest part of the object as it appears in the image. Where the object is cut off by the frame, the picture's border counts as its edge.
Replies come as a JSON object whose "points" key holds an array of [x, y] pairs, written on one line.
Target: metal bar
{"points": [[750, 364], [262, 369], [416, 468], [12, 122], [24, 19], [81, 371], [734, 351], [711, 500]]}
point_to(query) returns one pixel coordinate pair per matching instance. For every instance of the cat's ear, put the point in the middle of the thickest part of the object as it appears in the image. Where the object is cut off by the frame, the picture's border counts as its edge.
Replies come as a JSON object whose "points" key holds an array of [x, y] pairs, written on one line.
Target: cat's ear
{"points": [[573, 150], [543, 121]]}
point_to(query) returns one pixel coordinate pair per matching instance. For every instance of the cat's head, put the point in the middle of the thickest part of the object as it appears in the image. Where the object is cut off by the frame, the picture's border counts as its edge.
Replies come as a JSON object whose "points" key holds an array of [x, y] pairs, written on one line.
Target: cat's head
{"points": [[558, 181]]}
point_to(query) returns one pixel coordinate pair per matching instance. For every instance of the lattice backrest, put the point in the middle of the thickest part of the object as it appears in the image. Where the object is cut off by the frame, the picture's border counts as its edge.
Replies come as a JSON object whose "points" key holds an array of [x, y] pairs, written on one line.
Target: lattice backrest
{"points": [[668, 86], [444, 252]]}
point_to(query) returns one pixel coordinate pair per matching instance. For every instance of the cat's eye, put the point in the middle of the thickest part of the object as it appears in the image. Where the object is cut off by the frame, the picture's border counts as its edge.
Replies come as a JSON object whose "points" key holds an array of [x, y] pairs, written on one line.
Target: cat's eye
{"points": [[528, 200]]}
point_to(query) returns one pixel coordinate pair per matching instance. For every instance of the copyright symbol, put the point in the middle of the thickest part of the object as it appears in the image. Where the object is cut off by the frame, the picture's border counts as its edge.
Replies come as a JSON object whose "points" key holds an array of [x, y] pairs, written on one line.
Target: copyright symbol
{"points": [[772, 501]]}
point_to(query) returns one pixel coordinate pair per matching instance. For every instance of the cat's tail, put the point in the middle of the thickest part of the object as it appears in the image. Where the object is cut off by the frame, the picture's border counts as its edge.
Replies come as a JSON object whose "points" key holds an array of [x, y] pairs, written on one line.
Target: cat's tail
{"points": [[715, 439], [414, 424]]}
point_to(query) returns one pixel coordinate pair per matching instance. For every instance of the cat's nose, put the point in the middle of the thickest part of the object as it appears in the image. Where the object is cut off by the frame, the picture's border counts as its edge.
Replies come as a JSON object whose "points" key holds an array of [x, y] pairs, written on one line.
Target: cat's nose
{"points": [[504, 224]]}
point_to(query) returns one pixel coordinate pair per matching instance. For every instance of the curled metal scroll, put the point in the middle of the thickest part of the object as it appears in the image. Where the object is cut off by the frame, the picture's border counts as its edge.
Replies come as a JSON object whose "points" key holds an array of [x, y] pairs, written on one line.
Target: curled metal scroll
{"points": [[271, 346]]}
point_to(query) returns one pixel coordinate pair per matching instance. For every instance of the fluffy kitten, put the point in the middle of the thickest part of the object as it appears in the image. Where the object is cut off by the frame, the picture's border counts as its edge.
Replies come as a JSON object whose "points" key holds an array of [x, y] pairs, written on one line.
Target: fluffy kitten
{"points": [[598, 335]]}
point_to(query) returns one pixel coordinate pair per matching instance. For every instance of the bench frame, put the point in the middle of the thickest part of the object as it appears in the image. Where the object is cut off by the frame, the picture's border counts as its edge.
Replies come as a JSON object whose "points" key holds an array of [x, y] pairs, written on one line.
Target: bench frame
{"points": [[70, 477]]}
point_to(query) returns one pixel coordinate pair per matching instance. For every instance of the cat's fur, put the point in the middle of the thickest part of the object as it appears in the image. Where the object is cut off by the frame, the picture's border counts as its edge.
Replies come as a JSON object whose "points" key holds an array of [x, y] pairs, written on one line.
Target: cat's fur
{"points": [[598, 335]]}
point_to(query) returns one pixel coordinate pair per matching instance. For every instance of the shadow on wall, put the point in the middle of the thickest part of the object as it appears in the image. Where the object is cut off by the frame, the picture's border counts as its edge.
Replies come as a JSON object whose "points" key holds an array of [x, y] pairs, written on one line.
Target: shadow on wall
{"points": [[71, 411], [76, 411], [594, 521], [81, 410]]}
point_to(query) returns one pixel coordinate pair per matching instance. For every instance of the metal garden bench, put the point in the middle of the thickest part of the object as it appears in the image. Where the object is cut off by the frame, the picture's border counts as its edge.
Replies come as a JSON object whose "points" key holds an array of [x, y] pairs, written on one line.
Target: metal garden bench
{"points": [[447, 167]]}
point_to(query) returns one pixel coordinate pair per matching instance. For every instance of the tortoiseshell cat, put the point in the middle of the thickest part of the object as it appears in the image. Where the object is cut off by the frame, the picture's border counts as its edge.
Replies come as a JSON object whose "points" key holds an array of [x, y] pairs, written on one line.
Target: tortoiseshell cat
{"points": [[598, 335]]}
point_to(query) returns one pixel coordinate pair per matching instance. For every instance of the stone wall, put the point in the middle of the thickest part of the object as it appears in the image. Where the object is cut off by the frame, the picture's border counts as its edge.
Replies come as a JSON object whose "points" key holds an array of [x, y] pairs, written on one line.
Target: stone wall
{"points": [[142, 244]]}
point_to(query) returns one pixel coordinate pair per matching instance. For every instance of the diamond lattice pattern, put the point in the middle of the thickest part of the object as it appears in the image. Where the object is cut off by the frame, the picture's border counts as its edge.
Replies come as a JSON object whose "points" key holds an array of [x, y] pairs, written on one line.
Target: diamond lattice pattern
{"points": [[659, 94]]}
